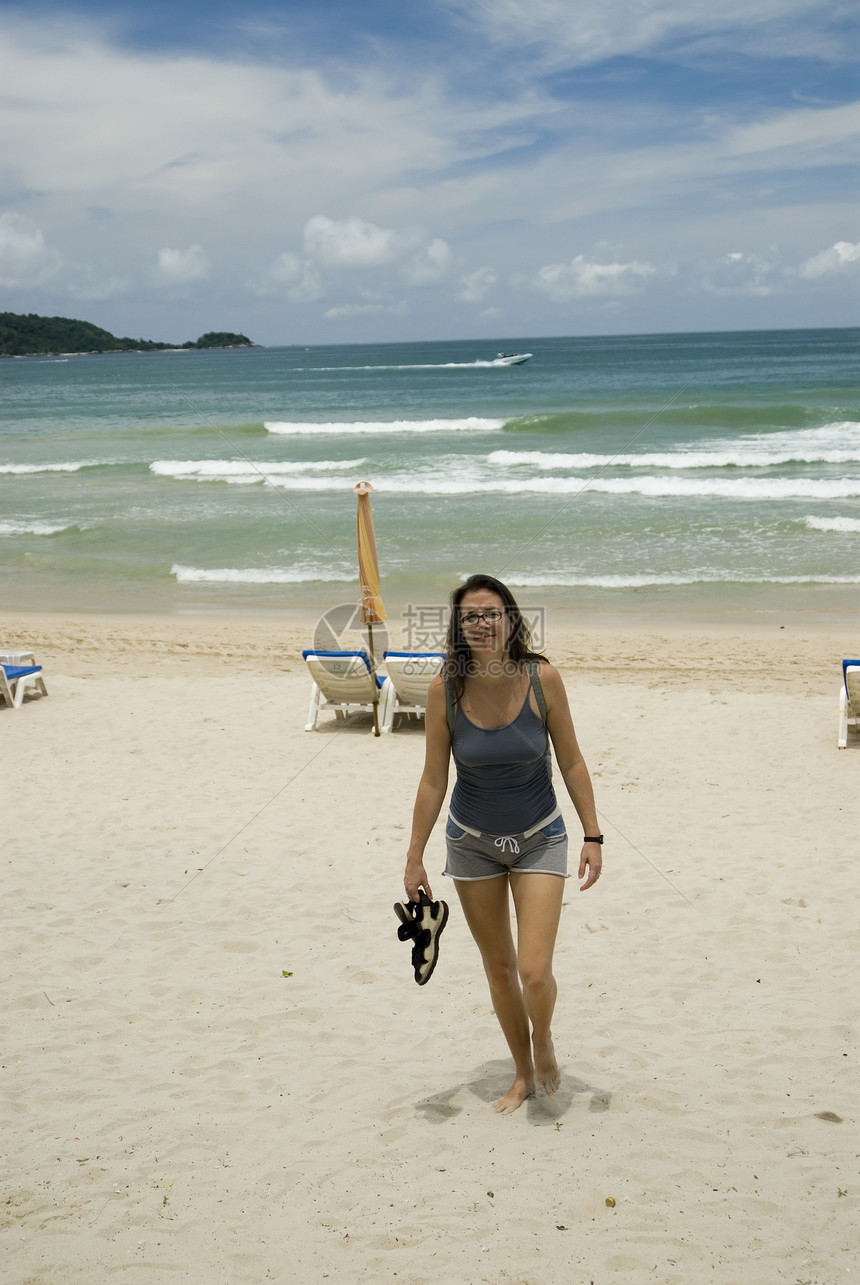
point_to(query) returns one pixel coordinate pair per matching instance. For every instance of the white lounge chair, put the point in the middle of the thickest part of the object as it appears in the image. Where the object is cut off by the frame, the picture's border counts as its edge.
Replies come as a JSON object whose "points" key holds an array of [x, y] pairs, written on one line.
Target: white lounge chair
{"points": [[16, 657], [15, 681], [411, 673], [343, 681], [849, 701]]}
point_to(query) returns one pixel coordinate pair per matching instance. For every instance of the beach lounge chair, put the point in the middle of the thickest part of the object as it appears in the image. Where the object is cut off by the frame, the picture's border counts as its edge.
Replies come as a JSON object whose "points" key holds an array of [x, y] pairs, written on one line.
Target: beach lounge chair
{"points": [[16, 679], [411, 673], [343, 681], [849, 700], [16, 657]]}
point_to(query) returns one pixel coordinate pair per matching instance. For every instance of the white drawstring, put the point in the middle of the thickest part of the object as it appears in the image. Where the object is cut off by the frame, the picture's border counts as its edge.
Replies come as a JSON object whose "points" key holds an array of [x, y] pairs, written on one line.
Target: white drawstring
{"points": [[507, 842]]}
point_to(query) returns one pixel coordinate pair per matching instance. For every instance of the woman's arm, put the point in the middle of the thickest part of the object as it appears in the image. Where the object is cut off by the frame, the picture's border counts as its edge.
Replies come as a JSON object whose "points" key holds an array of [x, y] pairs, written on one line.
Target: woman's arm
{"points": [[431, 789], [573, 770]]}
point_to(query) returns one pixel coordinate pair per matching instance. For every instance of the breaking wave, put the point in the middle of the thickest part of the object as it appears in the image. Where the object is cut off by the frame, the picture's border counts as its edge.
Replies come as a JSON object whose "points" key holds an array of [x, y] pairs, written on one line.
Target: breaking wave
{"points": [[258, 575], [469, 424]]}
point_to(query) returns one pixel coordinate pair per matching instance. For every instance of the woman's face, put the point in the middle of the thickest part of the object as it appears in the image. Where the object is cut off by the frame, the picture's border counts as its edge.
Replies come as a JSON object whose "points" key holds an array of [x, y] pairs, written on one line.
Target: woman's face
{"points": [[484, 620]]}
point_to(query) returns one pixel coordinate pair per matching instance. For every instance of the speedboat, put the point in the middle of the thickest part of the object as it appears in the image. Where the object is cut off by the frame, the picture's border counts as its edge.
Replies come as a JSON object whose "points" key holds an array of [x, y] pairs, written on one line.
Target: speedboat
{"points": [[510, 358]]}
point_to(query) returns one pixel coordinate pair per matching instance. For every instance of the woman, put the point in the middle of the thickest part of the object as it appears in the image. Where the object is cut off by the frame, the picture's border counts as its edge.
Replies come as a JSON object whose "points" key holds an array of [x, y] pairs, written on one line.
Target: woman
{"points": [[505, 828]]}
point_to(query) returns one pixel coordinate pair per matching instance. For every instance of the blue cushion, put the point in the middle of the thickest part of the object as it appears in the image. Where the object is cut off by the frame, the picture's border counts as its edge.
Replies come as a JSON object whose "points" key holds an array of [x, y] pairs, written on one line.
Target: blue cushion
{"points": [[342, 655], [845, 665], [413, 655]]}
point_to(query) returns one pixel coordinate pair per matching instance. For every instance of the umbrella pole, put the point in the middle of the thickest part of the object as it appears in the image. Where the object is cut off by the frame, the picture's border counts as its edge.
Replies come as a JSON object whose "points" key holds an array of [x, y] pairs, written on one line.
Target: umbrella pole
{"points": [[373, 675]]}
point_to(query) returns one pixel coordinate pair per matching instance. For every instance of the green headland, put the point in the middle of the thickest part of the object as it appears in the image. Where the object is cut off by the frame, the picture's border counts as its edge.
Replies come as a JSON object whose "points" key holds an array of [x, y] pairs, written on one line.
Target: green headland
{"points": [[28, 335]]}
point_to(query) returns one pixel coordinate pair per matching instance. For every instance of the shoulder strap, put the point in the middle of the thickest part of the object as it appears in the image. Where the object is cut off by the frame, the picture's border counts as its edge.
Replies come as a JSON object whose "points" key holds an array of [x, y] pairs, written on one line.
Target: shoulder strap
{"points": [[534, 679], [449, 705]]}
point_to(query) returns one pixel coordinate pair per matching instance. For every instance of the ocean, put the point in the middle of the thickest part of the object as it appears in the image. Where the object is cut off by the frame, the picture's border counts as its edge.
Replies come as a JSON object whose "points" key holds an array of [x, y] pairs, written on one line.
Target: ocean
{"points": [[706, 475]]}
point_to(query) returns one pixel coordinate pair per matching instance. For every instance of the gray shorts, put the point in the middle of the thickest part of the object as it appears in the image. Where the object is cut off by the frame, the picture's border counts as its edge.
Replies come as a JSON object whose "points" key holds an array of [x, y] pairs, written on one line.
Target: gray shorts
{"points": [[487, 856]]}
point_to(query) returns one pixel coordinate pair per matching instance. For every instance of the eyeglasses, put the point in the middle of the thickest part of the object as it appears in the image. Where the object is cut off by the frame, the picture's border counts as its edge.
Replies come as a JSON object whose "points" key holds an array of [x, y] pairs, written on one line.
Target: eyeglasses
{"points": [[492, 616]]}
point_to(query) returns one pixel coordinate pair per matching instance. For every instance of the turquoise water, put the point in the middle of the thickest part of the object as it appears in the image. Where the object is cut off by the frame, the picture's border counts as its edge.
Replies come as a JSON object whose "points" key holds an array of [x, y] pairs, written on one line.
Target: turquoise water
{"points": [[682, 473]]}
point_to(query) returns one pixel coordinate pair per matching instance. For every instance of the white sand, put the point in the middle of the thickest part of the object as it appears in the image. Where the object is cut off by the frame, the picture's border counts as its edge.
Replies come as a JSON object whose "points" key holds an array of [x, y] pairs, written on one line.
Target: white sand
{"points": [[178, 1110]]}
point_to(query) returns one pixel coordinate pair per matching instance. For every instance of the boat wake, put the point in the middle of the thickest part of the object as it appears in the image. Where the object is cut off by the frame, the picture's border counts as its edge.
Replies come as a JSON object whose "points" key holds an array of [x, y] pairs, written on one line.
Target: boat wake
{"points": [[501, 360]]}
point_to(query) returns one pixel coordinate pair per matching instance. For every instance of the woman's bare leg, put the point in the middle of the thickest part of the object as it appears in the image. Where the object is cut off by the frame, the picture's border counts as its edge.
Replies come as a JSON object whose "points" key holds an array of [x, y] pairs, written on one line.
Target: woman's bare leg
{"points": [[486, 907], [537, 899]]}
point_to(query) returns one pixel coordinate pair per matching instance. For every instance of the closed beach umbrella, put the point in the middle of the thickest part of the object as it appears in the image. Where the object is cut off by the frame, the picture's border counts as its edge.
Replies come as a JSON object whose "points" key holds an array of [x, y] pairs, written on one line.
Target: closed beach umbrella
{"points": [[372, 610]]}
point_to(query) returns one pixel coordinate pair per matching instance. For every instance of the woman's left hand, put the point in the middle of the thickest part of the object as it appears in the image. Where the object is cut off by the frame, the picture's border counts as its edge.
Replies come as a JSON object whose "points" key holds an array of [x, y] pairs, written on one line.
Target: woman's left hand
{"points": [[591, 860]]}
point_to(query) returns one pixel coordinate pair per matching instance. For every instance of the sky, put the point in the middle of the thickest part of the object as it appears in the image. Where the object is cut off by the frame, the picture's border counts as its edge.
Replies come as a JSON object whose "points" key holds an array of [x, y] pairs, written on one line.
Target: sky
{"points": [[346, 172]]}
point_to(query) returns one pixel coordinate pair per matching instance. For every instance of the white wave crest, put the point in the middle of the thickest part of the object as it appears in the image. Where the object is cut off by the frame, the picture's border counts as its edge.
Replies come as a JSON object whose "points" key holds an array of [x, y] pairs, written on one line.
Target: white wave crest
{"points": [[656, 487], [247, 472], [570, 579], [34, 528], [258, 575], [833, 524], [722, 488], [49, 468], [837, 435], [460, 479], [681, 459], [470, 424], [573, 580]]}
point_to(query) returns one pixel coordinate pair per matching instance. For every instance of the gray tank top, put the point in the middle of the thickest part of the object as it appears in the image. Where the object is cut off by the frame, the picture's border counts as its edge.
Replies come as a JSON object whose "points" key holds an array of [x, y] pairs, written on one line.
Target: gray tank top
{"points": [[503, 774]]}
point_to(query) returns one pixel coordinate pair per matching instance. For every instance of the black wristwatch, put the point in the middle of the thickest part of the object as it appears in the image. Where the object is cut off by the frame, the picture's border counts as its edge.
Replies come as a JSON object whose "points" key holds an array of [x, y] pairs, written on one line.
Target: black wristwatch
{"points": [[592, 838]]}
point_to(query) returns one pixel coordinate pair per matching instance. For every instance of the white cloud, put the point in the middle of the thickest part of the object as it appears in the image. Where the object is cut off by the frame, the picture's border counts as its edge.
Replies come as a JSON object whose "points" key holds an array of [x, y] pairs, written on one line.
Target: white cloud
{"points": [[362, 309], [759, 274], [181, 267], [346, 246], [474, 285], [583, 277], [90, 284], [839, 256], [349, 243], [165, 138], [591, 30], [802, 136], [121, 151], [298, 277], [25, 258], [739, 273], [354, 310], [287, 269], [429, 265]]}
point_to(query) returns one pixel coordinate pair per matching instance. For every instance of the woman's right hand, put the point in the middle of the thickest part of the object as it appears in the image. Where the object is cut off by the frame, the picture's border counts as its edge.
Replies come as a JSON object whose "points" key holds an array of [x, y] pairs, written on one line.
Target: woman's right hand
{"points": [[415, 879]]}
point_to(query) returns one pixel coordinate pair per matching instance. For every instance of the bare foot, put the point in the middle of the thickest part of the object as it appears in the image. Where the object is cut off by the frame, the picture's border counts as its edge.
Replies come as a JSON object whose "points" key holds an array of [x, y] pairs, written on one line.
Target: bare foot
{"points": [[516, 1095], [547, 1074]]}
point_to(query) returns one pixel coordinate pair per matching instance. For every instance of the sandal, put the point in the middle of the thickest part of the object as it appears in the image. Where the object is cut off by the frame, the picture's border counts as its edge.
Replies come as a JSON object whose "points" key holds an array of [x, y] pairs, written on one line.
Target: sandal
{"points": [[422, 922]]}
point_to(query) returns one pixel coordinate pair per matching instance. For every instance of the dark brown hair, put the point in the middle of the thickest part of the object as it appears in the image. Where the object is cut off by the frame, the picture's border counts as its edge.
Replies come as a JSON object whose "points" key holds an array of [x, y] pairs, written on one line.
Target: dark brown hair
{"points": [[459, 660]]}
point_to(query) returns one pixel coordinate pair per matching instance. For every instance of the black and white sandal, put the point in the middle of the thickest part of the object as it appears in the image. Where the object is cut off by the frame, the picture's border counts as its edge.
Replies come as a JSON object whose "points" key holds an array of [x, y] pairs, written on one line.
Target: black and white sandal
{"points": [[422, 922]]}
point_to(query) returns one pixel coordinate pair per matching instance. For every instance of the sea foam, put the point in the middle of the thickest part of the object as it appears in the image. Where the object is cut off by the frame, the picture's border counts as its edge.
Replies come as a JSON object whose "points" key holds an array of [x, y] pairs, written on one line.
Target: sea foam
{"points": [[52, 468], [458, 478], [572, 579], [834, 443], [845, 525], [470, 424], [683, 459], [258, 575], [248, 472], [35, 528]]}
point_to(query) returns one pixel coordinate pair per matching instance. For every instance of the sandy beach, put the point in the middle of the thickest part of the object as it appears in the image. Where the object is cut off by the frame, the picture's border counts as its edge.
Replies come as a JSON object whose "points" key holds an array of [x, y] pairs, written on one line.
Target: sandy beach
{"points": [[218, 1068]]}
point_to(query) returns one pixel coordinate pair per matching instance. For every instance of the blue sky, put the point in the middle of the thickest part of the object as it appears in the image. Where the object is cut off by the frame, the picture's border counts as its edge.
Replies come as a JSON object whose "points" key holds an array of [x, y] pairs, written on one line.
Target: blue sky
{"points": [[456, 168]]}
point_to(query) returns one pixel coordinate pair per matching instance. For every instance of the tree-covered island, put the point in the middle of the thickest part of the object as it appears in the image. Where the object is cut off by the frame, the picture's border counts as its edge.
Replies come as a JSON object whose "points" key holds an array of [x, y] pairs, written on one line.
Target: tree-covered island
{"points": [[28, 335]]}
